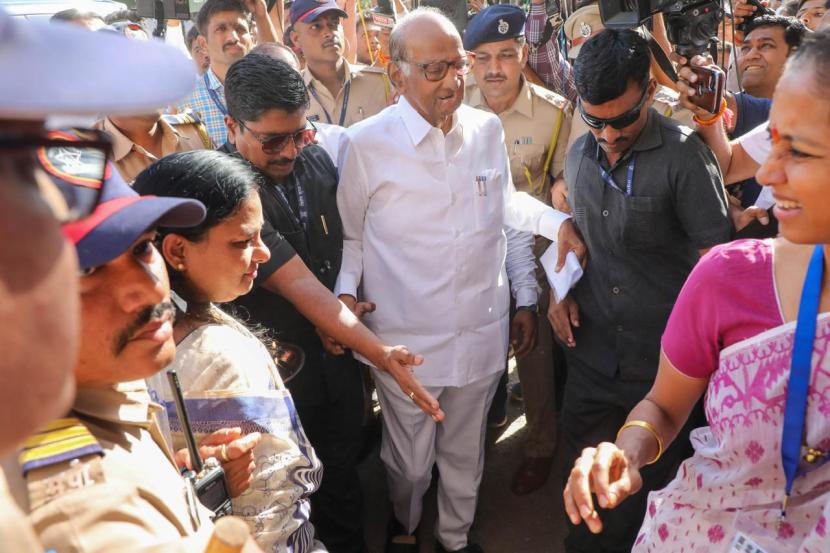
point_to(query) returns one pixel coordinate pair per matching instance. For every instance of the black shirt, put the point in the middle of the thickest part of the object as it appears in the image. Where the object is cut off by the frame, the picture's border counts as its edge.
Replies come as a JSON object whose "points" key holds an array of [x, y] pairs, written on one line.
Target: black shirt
{"points": [[641, 247], [320, 246]]}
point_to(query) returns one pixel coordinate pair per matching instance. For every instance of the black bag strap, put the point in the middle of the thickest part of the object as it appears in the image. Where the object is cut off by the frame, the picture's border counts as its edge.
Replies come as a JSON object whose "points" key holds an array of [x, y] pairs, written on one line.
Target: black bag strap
{"points": [[660, 56]]}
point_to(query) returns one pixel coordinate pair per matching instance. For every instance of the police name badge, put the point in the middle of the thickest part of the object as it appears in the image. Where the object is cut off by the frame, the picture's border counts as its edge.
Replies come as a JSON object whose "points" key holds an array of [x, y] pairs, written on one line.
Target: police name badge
{"points": [[503, 27]]}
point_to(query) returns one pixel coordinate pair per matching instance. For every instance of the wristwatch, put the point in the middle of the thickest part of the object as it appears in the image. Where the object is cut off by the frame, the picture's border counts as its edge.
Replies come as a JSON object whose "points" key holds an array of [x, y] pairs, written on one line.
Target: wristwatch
{"points": [[533, 308]]}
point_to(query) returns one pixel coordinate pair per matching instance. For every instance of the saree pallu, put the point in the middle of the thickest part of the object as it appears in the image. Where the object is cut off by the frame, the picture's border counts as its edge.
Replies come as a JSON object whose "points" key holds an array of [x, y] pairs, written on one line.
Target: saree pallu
{"points": [[734, 482], [276, 506]]}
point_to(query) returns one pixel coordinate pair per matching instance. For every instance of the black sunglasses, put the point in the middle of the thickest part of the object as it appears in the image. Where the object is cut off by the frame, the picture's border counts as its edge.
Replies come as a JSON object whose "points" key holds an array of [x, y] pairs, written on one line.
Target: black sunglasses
{"points": [[75, 162], [618, 122], [275, 143]]}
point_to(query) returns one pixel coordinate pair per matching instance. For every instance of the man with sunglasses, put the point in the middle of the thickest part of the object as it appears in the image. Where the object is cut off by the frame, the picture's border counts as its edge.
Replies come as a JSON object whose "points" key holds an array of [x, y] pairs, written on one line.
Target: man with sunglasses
{"points": [[341, 93], [38, 268], [425, 192], [267, 107], [536, 123], [648, 197]]}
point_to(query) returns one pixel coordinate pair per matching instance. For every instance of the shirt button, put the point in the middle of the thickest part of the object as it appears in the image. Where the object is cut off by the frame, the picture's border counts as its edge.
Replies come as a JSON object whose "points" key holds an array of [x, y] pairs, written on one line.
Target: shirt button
{"points": [[605, 213], [616, 289], [619, 328]]}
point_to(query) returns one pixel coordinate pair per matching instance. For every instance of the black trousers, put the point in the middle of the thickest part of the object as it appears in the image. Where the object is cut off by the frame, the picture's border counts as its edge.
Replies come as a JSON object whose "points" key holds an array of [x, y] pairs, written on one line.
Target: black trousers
{"points": [[328, 393], [595, 407]]}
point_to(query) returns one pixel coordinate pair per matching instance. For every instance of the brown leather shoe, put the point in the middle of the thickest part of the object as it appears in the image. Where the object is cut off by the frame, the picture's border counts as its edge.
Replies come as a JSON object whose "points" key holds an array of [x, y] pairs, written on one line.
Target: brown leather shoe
{"points": [[532, 475]]}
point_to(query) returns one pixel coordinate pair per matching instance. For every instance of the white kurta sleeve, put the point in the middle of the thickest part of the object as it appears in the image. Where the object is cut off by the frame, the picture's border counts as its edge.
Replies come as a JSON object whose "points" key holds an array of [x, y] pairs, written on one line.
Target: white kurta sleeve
{"points": [[520, 264], [521, 210], [352, 202]]}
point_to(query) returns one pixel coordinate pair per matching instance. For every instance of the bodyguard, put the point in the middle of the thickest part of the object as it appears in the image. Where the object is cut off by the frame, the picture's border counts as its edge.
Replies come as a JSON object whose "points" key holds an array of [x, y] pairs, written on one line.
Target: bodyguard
{"points": [[648, 197]]}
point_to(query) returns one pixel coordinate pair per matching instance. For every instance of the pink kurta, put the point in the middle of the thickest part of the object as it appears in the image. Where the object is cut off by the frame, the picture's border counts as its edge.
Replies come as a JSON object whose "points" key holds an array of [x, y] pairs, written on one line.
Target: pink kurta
{"points": [[734, 482]]}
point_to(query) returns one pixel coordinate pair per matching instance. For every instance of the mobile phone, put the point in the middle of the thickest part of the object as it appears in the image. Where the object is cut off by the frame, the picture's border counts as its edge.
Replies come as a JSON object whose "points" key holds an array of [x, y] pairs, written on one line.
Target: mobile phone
{"points": [[708, 89]]}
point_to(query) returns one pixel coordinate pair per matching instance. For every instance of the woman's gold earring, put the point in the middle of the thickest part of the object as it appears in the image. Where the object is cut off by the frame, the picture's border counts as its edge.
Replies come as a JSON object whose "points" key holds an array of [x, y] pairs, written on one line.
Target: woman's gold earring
{"points": [[180, 267]]}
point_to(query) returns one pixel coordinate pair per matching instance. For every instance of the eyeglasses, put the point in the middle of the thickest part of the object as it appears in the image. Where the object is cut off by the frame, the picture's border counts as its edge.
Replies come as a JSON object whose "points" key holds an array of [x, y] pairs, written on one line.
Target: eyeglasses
{"points": [[619, 122], [436, 70], [76, 164], [275, 143]]}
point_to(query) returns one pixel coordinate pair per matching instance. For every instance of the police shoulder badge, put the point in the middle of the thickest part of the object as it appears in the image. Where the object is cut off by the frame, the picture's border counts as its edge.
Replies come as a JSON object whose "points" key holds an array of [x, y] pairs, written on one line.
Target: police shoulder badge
{"points": [[503, 27], [584, 29]]}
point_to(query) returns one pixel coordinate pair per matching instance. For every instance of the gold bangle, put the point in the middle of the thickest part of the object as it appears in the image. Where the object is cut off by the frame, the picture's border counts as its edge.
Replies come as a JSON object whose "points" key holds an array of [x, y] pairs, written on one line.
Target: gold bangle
{"points": [[650, 427]]}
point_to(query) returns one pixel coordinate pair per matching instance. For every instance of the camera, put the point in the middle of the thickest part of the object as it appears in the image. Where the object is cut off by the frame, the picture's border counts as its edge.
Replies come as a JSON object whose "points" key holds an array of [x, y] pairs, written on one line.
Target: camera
{"points": [[691, 24]]}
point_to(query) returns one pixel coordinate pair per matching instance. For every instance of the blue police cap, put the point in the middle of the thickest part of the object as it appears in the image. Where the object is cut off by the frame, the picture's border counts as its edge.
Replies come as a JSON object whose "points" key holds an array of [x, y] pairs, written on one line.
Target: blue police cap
{"points": [[494, 23]]}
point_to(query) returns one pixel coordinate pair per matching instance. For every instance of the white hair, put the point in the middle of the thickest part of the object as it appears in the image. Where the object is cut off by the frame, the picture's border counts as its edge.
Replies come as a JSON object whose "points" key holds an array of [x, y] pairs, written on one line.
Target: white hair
{"points": [[397, 40]]}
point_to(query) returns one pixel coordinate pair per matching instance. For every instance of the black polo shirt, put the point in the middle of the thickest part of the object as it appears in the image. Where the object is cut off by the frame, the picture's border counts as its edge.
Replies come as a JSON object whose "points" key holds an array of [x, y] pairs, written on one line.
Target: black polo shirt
{"points": [[320, 246], [641, 247]]}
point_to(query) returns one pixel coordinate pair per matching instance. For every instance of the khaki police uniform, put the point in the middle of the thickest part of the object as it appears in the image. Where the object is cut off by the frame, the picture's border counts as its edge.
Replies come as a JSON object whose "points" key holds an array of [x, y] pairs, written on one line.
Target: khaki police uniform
{"points": [[104, 479], [365, 92], [666, 103], [16, 533], [181, 132], [536, 131]]}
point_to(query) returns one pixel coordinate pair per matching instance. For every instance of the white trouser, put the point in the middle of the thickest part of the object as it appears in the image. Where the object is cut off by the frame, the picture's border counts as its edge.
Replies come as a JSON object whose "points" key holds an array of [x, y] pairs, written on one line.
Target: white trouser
{"points": [[412, 442]]}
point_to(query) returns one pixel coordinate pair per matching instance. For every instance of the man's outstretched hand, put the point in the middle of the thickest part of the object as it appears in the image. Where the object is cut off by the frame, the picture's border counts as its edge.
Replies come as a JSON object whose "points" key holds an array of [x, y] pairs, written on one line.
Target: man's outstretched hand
{"points": [[398, 361]]}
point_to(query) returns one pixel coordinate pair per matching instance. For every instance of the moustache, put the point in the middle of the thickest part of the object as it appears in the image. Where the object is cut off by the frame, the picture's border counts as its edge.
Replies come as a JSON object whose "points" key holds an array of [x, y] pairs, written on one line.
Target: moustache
{"points": [[490, 76], [281, 161], [619, 140], [330, 43], [151, 313], [229, 44]]}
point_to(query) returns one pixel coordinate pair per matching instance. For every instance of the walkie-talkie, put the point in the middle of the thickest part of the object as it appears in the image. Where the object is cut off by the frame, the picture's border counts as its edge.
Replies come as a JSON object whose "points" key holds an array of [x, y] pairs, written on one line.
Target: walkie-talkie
{"points": [[208, 477]]}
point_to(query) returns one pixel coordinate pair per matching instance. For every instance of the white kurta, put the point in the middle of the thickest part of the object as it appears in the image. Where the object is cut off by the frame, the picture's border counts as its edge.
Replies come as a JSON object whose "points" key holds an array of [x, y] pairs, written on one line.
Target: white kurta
{"points": [[423, 215]]}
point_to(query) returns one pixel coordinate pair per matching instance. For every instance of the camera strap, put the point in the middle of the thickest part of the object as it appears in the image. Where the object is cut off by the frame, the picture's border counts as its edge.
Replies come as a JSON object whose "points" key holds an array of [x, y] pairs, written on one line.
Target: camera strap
{"points": [[659, 55]]}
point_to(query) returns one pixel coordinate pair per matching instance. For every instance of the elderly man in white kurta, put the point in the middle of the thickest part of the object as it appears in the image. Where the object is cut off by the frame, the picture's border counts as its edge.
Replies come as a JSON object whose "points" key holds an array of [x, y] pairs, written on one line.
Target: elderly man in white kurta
{"points": [[425, 191]]}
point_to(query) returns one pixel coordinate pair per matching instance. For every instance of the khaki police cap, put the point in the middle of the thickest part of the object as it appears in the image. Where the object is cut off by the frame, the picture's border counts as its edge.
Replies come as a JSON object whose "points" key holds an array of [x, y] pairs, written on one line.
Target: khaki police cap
{"points": [[582, 25]]}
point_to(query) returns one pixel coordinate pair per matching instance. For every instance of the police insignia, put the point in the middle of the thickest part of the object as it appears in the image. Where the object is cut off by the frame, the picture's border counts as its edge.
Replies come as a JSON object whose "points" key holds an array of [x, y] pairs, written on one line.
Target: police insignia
{"points": [[63, 440], [503, 27], [585, 29]]}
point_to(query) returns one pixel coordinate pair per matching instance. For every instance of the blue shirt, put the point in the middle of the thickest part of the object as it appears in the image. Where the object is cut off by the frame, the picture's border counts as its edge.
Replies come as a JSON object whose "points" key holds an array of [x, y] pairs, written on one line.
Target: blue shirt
{"points": [[752, 112], [202, 102]]}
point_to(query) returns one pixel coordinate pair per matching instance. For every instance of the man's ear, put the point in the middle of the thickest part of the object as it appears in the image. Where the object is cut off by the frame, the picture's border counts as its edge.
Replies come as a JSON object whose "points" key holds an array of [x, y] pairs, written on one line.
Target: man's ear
{"points": [[295, 40], [396, 75], [233, 128], [202, 41], [524, 55]]}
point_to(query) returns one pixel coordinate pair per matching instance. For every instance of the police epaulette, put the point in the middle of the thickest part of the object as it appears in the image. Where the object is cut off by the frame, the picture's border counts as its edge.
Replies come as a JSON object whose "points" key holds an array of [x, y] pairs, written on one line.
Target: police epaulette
{"points": [[62, 440], [186, 118]]}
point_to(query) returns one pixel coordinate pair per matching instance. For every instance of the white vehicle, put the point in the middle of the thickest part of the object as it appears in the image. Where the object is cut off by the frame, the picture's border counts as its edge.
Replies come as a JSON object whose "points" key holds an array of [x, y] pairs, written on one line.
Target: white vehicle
{"points": [[44, 9]]}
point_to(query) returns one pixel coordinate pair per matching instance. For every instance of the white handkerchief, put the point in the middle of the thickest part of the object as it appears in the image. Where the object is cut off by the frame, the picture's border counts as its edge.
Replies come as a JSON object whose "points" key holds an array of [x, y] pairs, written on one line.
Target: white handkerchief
{"points": [[565, 279]]}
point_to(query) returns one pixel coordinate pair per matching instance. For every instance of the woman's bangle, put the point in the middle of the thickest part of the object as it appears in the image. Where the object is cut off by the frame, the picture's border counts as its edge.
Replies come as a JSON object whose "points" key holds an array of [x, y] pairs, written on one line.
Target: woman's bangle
{"points": [[650, 427], [714, 119]]}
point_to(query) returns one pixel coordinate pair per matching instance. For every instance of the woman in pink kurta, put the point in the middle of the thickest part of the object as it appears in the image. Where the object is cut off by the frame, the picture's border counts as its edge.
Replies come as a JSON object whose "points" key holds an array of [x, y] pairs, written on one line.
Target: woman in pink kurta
{"points": [[731, 336]]}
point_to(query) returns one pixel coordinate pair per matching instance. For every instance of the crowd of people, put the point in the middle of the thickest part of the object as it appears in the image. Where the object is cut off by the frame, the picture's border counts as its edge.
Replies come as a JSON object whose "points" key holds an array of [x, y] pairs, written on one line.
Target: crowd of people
{"points": [[294, 208]]}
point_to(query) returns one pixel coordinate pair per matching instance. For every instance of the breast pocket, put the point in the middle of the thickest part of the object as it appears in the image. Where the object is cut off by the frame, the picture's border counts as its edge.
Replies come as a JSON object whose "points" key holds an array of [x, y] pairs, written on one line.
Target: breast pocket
{"points": [[648, 222], [488, 200]]}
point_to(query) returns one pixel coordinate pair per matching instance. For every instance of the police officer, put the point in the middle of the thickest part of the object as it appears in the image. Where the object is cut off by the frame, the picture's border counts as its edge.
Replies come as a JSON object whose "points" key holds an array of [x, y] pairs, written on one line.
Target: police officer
{"points": [[139, 141], [267, 124], [103, 478], [536, 125], [341, 93], [38, 270]]}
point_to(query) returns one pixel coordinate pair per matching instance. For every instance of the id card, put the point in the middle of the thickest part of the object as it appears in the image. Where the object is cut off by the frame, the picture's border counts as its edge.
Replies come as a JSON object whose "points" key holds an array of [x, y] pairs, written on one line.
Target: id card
{"points": [[744, 544]]}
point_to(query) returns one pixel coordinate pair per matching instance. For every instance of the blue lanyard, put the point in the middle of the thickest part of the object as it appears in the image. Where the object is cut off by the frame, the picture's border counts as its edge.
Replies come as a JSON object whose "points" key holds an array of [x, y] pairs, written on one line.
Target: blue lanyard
{"points": [[214, 96], [797, 389], [346, 89], [629, 177], [300, 219]]}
